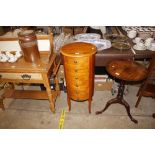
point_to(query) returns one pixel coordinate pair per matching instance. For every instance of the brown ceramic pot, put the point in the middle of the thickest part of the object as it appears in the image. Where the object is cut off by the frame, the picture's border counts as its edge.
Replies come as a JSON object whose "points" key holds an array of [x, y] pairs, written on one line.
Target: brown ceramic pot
{"points": [[29, 46]]}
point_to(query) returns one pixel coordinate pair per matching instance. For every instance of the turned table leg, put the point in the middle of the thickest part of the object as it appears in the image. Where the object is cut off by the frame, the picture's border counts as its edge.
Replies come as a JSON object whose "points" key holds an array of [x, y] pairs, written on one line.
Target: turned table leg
{"points": [[49, 92], [57, 88], [1, 104]]}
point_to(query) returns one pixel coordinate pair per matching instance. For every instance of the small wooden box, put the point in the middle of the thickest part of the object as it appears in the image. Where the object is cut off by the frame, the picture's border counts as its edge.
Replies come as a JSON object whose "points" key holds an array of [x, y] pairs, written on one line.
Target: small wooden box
{"points": [[102, 86]]}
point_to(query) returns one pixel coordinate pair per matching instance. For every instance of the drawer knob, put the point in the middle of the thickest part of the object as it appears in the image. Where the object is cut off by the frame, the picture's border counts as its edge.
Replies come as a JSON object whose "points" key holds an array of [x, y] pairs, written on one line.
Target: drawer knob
{"points": [[26, 76], [76, 70], [75, 61]]}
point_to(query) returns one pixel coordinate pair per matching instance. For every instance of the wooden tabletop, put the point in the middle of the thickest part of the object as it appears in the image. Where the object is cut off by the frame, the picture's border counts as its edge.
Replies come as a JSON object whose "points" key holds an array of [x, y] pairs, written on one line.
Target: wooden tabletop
{"points": [[127, 70], [22, 66]]}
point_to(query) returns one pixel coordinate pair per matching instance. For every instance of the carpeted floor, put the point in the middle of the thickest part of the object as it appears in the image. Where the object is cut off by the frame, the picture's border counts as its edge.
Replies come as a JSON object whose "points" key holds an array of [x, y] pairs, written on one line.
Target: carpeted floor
{"points": [[36, 114]]}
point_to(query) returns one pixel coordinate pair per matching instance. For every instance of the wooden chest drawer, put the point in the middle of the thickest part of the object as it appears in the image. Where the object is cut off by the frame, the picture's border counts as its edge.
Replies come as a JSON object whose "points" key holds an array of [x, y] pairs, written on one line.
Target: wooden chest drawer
{"points": [[77, 73], [79, 96], [76, 60], [22, 76], [75, 87], [80, 82]]}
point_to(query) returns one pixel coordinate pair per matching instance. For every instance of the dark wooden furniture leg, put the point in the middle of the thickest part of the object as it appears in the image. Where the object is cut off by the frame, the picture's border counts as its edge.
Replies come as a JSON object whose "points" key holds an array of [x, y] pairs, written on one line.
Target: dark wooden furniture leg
{"points": [[119, 99], [1, 104], [153, 115], [89, 105]]}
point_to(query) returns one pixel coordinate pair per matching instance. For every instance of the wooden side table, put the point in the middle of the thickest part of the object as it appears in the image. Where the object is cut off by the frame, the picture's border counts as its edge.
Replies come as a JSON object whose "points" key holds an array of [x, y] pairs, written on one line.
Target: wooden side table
{"points": [[24, 72], [125, 71], [78, 60]]}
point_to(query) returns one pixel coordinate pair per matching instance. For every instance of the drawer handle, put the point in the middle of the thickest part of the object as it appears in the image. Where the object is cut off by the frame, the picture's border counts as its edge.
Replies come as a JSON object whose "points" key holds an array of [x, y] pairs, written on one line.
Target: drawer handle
{"points": [[75, 61], [76, 70], [26, 76]]}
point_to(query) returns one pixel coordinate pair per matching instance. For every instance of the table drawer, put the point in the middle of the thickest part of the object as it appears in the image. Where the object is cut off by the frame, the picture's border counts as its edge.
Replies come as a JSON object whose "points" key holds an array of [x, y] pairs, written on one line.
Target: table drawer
{"points": [[22, 76]]}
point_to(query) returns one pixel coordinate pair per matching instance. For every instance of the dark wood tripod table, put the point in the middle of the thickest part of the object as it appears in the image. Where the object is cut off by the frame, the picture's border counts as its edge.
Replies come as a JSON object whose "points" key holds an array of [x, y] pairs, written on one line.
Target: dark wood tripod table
{"points": [[125, 71]]}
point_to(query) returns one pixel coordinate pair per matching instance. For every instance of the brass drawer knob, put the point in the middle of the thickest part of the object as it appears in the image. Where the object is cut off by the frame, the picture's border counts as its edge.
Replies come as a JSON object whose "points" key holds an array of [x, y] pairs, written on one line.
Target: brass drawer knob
{"points": [[26, 77], [76, 70], [75, 61]]}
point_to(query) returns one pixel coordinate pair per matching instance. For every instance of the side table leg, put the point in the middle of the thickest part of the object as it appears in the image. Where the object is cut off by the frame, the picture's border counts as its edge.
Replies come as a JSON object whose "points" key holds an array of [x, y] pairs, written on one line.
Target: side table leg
{"points": [[57, 88], [1, 104], [123, 102], [49, 92], [112, 101]]}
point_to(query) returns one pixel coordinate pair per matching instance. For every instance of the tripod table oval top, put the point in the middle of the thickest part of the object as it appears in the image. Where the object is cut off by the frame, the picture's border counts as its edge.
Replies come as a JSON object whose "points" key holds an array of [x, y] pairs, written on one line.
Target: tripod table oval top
{"points": [[127, 70]]}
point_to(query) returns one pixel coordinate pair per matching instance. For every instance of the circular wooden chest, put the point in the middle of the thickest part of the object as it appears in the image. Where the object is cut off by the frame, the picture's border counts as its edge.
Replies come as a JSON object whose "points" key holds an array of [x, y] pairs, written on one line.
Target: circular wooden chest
{"points": [[78, 60]]}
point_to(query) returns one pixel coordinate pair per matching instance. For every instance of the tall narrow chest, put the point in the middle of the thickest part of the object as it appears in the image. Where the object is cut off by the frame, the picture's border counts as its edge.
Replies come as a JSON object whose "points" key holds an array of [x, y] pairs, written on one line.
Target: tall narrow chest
{"points": [[78, 60]]}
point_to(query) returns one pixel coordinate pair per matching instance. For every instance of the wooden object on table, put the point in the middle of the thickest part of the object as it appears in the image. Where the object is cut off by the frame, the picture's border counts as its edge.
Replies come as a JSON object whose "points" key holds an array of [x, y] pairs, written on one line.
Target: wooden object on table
{"points": [[147, 89], [25, 72], [124, 70], [78, 60]]}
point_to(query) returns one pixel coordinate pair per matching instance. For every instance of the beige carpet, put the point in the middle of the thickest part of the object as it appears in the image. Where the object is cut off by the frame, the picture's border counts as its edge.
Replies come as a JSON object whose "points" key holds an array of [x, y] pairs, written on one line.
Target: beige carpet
{"points": [[36, 114]]}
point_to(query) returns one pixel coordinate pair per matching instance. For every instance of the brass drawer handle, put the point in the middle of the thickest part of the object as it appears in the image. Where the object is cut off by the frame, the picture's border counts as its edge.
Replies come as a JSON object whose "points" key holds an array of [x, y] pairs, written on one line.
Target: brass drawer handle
{"points": [[76, 70], [26, 76], [75, 61]]}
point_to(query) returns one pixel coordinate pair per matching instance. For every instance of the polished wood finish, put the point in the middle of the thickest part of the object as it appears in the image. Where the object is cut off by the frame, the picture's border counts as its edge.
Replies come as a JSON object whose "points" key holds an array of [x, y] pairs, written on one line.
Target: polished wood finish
{"points": [[147, 89], [124, 70], [25, 72], [127, 70], [78, 60]]}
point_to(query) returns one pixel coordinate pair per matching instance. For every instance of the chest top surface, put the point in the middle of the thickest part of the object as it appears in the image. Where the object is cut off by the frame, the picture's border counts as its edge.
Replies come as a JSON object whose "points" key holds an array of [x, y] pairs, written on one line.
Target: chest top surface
{"points": [[78, 49]]}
